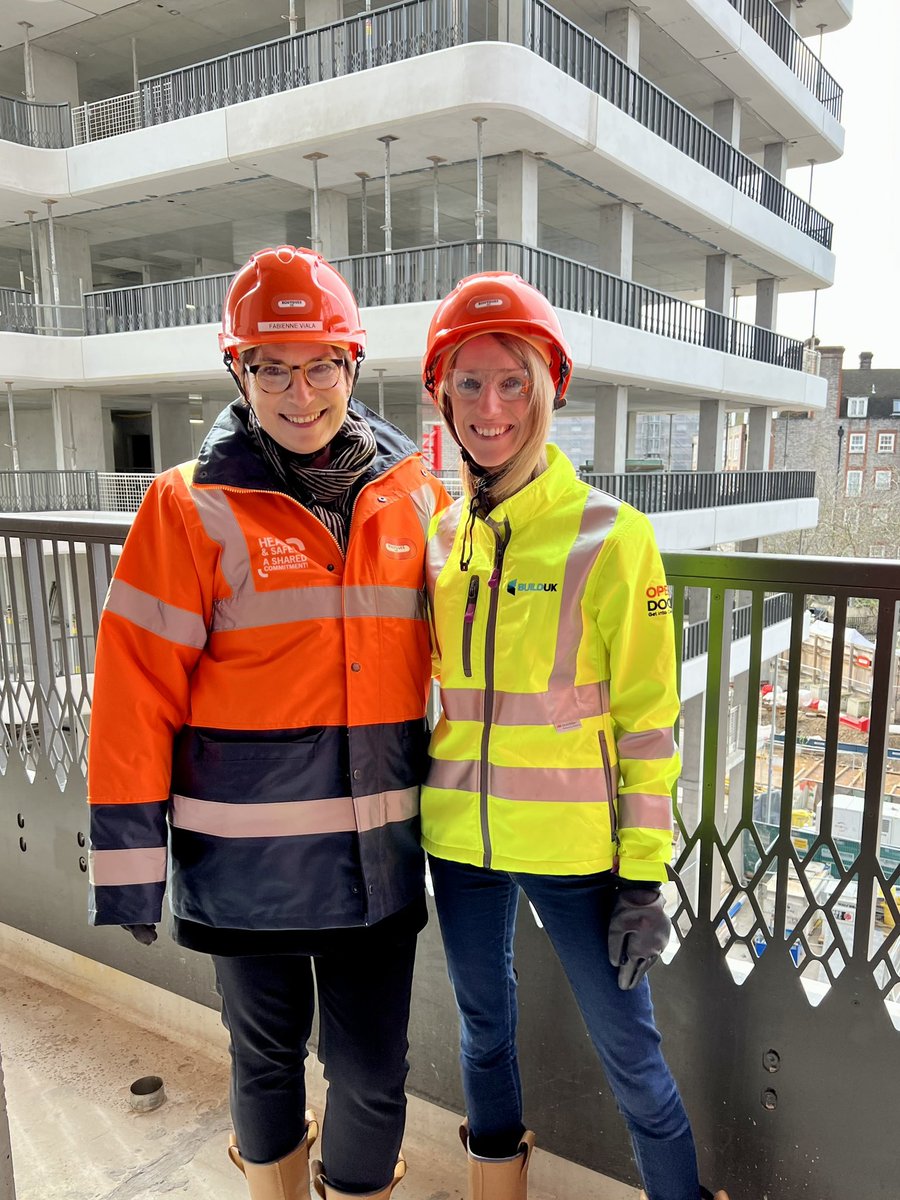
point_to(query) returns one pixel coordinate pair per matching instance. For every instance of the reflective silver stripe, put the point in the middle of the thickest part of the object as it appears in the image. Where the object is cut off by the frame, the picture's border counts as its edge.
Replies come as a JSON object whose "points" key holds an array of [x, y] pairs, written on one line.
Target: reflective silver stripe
{"points": [[651, 743], [528, 708], [223, 527], [597, 519], [639, 810], [116, 868], [440, 546], [424, 502], [341, 814], [174, 624], [565, 785], [277, 608], [363, 601]]}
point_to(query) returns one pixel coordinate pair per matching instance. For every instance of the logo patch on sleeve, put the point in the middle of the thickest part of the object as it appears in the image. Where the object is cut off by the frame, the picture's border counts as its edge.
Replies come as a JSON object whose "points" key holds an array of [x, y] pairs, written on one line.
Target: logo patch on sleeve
{"points": [[659, 600]]}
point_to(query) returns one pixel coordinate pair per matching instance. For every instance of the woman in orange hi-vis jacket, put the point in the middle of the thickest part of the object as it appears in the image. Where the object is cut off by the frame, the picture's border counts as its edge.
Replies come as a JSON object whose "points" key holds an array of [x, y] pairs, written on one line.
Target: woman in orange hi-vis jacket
{"points": [[258, 726]]}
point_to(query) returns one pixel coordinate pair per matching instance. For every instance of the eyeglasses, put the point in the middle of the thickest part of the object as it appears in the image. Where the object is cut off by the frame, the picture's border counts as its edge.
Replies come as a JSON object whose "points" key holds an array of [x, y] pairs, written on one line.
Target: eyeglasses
{"points": [[321, 374], [508, 384]]}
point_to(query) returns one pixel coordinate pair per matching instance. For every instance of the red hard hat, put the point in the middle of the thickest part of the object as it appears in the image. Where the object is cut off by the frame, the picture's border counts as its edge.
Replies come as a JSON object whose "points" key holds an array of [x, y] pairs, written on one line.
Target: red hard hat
{"points": [[290, 295], [497, 302]]}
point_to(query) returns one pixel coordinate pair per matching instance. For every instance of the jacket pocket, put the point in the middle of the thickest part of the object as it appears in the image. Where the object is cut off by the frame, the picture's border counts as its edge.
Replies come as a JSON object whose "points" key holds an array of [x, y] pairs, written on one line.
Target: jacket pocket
{"points": [[611, 790], [469, 625]]}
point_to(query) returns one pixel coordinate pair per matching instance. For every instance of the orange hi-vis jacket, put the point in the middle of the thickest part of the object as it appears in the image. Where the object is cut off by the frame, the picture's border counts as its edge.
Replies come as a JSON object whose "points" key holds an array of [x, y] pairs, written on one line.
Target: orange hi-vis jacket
{"points": [[259, 698]]}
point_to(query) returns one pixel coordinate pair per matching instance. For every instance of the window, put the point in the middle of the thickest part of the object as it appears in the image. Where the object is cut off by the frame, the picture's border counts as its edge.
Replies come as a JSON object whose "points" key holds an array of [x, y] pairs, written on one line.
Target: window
{"points": [[857, 443], [886, 443], [896, 408], [854, 483], [882, 480], [858, 406]]}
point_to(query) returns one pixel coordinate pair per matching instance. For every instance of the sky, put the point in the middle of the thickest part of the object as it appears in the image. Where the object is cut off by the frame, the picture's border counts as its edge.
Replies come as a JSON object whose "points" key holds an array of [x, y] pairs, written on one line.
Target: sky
{"points": [[860, 193]]}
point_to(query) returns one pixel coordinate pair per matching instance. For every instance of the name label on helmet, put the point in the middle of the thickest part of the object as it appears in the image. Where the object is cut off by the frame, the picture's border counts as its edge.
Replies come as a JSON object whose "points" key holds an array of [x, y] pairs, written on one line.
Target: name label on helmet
{"points": [[299, 302], [288, 326], [489, 302]]}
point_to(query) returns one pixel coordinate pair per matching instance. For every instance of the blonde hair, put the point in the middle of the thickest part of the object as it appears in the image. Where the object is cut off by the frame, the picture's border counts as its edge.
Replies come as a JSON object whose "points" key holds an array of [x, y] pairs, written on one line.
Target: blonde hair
{"points": [[531, 458]]}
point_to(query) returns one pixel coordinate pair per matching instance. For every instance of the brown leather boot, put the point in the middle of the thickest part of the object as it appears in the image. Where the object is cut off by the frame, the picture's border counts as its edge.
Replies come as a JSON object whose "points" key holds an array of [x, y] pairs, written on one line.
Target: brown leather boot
{"points": [[327, 1192], [498, 1178], [285, 1179]]}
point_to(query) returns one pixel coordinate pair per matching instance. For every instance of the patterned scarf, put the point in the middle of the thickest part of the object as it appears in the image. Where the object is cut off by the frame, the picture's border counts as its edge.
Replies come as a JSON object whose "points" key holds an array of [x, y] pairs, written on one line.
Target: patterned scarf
{"points": [[328, 492]]}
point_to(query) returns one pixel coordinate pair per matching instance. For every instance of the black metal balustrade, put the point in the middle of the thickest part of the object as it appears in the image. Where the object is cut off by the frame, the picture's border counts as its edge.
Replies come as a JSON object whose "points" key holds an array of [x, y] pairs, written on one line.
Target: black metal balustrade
{"points": [[562, 43], [17, 311], [778, 33], [30, 123], [695, 639], [763, 970], [430, 272], [676, 491]]}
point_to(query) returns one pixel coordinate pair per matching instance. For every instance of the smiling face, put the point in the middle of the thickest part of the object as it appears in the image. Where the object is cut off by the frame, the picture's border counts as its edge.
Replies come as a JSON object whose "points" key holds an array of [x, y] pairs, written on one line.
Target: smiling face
{"points": [[302, 419], [494, 424]]}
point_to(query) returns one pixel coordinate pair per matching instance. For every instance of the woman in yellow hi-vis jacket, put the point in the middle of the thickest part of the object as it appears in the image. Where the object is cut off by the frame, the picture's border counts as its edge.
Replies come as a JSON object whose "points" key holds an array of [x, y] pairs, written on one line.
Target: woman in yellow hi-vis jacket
{"points": [[554, 759]]}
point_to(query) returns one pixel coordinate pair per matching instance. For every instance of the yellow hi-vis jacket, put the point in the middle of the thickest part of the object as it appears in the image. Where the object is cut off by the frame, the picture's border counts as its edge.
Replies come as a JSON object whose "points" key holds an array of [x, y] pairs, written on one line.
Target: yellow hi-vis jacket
{"points": [[554, 753]]}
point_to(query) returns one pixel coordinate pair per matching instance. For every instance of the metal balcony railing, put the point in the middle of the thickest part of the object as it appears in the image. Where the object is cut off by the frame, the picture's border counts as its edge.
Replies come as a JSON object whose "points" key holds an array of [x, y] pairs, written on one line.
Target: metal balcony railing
{"points": [[430, 272], [678, 491], [562, 43], [778, 33], [695, 639], [72, 491], [30, 123], [768, 920], [17, 311]]}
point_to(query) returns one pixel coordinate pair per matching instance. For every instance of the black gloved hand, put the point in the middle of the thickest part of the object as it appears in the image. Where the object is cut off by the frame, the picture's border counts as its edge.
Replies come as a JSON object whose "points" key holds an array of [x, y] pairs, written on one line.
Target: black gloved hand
{"points": [[638, 933], [145, 934]]}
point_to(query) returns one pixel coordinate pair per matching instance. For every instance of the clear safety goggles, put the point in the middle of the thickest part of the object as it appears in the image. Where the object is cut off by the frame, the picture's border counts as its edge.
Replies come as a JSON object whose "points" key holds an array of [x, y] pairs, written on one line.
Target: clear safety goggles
{"points": [[509, 384]]}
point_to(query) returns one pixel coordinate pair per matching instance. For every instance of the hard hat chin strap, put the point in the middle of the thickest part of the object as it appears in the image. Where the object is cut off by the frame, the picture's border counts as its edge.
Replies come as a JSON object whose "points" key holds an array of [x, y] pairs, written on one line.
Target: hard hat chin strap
{"points": [[228, 359]]}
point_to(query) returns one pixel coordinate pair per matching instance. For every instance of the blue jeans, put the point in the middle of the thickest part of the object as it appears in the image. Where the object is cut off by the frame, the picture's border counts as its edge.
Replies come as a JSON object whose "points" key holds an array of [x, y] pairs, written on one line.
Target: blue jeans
{"points": [[477, 912]]}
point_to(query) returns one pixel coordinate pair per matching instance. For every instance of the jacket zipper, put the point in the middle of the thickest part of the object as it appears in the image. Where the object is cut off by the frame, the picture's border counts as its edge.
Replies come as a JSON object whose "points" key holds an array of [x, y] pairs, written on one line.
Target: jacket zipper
{"points": [[501, 540], [608, 775], [468, 625]]}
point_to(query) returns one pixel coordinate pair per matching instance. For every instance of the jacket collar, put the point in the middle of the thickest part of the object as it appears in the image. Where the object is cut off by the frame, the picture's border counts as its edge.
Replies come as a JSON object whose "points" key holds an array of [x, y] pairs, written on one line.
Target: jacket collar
{"points": [[538, 497], [228, 456]]}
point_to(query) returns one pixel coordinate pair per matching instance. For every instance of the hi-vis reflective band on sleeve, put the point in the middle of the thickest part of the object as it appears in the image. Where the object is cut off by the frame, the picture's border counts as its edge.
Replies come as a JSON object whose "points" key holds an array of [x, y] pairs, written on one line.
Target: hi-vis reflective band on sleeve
{"points": [[111, 868], [174, 624]]}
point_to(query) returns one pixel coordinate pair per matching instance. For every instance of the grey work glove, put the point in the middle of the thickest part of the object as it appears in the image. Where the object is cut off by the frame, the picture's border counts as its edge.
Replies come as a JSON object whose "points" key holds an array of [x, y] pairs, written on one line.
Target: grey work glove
{"points": [[638, 933], [145, 934]]}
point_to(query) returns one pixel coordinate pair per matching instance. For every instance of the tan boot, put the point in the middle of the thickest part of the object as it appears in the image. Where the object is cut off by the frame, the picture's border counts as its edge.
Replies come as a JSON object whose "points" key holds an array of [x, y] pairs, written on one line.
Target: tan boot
{"points": [[327, 1192], [286, 1179], [499, 1178]]}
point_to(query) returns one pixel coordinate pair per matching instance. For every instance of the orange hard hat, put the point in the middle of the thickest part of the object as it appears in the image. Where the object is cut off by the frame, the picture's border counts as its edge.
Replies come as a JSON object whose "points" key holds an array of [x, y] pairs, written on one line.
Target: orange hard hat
{"points": [[497, 302], [290, 294]]}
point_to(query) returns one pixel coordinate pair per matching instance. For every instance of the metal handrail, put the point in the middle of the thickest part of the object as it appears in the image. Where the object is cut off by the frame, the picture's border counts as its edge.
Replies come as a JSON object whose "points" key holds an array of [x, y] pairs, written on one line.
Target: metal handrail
{"points": [[72, 491], [32, 123], [695, 638], [676, 491], [560, 42], [778, 33], [430, 272], [17, 311]]}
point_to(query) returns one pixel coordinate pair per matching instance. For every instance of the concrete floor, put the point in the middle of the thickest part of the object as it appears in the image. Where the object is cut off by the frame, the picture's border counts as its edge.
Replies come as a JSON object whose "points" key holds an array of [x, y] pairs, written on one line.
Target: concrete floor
{"points": [[69, 1061]]}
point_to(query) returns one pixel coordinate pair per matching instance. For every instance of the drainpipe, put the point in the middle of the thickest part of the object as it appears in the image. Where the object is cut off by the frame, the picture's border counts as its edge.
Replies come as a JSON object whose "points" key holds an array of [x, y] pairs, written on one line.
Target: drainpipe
{"points": [[134, 65], [28, 61], [54, 271], [380, 373], [293, 23], [387, 191], [479, 188]]}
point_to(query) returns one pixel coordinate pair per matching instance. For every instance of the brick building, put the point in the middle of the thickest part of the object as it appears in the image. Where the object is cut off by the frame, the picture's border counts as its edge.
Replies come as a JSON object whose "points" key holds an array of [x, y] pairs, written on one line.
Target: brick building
{"points": [[853, 444]]}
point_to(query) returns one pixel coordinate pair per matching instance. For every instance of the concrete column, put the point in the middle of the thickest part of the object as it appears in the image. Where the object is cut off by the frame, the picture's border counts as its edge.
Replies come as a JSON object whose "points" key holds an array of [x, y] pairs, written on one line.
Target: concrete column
{"points": [[766, 303], [55, 77], [623, 35], [788, 9], [517, 198], [775, 159], [511, 22], [73, 268], [171, 431], [256, 233], [717, 300], [616, 239], [610, 429], [79, 435], [711, 436], [759, 434], [323, 12], [209, 410], [727, 120], [403, 406], [334, 226]]}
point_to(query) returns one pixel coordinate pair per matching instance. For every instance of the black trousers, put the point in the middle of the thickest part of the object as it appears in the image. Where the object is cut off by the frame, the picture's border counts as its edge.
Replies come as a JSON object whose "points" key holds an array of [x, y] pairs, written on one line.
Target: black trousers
{"points": [[363, 998]]}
